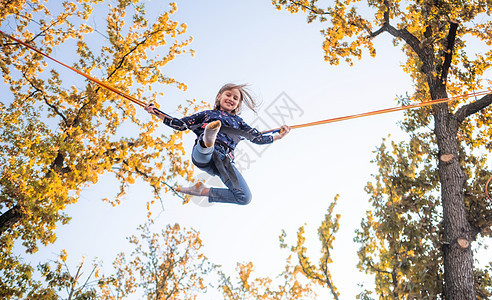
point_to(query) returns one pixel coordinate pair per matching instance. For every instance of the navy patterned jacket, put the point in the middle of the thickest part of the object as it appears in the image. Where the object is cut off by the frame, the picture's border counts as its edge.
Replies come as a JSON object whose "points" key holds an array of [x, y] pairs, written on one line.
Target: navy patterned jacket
{"points": [[198, 121]]}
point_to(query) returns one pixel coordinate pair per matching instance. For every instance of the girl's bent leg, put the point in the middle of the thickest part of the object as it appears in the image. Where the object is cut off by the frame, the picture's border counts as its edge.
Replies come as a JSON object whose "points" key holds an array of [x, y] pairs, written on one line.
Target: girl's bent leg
{"points": [[202, 156], [241, 196]]}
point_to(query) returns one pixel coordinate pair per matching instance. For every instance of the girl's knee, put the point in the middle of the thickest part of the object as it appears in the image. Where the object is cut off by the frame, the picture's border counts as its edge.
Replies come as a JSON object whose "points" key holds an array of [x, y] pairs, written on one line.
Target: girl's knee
{"points": [[201, 157], [243, 198]]}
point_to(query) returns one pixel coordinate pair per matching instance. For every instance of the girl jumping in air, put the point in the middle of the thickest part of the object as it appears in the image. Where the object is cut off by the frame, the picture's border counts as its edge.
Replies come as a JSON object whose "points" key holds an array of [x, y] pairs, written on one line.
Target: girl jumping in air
{"points": [[218, 132]]}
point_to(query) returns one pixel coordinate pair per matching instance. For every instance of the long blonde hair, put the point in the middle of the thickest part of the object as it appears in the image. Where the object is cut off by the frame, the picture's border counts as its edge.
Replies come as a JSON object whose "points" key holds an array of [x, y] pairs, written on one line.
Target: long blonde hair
{"points": [[245, 97]]}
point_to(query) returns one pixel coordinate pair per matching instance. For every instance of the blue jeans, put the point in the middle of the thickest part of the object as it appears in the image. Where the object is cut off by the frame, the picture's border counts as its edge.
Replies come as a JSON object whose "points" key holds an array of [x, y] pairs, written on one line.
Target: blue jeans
{"points": [[202, 158]]}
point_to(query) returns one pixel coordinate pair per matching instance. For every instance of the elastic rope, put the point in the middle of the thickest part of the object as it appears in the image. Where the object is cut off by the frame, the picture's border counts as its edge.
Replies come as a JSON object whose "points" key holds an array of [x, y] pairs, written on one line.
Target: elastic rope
{"points": [[382, 111], [105, 85], [332, 120]]}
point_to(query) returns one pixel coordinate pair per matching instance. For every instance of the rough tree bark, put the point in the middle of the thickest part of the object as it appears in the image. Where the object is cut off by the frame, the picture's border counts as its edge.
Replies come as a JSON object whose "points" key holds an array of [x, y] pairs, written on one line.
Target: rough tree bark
{"points": [[458, 233]]}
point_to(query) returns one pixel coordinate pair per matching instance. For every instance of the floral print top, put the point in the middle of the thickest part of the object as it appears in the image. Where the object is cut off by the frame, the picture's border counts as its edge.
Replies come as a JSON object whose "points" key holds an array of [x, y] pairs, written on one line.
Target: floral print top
{"points": [[233, 129]]}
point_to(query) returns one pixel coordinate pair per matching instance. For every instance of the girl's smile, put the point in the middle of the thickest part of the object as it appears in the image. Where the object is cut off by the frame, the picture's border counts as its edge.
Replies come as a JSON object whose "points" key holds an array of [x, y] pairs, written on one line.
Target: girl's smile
{"points": [[229, 100]]}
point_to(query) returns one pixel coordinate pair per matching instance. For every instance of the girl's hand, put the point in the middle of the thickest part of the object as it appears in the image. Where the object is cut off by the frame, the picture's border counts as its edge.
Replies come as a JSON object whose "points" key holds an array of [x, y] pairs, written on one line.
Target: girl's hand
{"points": [[150, 108], [283, 131]]}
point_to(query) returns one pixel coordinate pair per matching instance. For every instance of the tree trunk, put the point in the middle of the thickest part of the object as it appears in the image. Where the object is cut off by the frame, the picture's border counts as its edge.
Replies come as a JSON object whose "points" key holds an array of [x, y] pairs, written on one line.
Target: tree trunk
{"points": [[458, 257], [9, 218]]}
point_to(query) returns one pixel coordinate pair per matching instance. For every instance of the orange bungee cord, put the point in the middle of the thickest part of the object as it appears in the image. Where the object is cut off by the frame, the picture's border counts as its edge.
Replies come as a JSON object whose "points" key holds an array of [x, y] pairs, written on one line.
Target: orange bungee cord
{"points": [[99, 82], [338, 119], [105, 85], [383, 111], [332, 120]]}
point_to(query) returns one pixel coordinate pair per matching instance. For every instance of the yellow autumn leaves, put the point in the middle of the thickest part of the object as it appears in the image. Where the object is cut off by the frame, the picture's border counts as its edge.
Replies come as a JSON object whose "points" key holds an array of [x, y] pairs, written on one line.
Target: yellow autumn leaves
{"points": [[60, 132]]}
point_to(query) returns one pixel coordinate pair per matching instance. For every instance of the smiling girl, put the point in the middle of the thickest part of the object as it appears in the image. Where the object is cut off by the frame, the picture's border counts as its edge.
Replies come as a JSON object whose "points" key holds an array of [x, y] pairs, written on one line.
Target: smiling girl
{"points": [[218, 133]]}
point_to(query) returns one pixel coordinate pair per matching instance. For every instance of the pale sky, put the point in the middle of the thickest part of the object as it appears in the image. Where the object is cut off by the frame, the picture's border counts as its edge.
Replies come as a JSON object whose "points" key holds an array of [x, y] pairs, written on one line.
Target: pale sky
{"points": [[293, 180]]}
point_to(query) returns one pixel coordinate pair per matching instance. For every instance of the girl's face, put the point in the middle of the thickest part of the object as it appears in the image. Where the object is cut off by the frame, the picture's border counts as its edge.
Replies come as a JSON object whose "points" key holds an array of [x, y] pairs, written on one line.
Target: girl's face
{"points": [[229, 100]]}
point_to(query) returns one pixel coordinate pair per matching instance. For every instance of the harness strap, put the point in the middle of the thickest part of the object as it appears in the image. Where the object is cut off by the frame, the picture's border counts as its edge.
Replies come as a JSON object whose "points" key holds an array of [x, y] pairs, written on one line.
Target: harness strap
{"points": [[225, 168]]}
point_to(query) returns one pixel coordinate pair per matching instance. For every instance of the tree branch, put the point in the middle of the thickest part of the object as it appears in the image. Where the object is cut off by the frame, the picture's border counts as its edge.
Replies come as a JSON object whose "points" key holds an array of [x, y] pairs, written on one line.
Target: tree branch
{"points": [[424, 53], [310, 8], [386, 14], [449, 52], [378, 32], [385, 23], [324, 268], [53, 107], [122, 60], [10, 218], [405, 35], [120, 63], [473, 108], [369, 263], [306, 266], [156, 189], [42, 33]]}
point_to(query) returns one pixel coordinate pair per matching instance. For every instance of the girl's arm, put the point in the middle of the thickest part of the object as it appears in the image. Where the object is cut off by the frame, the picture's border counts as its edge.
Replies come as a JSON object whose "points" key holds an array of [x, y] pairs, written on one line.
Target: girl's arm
{"points": [[283, 131], [260, 138], [174, 123]]}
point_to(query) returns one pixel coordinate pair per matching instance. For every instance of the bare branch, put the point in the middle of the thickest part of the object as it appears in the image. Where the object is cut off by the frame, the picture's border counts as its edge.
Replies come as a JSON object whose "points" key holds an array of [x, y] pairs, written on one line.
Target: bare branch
{"points": [[387, 12], [378, 32], [449, 52], [405, 35], [53, 107], [473, 108], [377, 269], [385, 23], [42, 32], [9, 218]]}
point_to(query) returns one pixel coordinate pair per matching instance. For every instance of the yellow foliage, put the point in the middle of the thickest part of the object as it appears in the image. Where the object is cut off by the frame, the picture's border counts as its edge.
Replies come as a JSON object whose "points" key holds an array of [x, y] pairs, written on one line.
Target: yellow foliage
{"points": [[169, 264], [58, 136]]}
